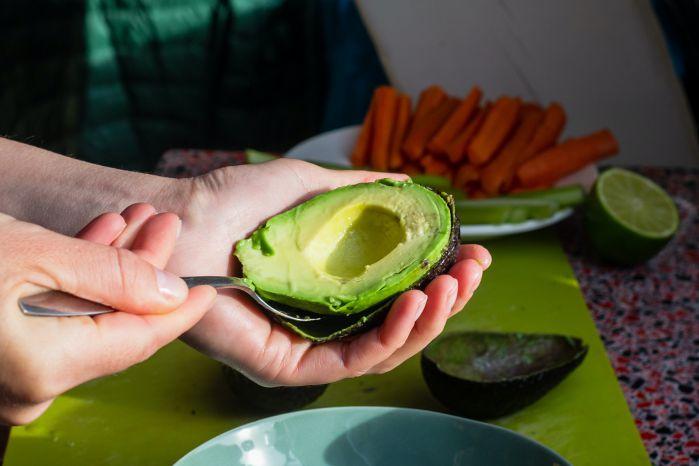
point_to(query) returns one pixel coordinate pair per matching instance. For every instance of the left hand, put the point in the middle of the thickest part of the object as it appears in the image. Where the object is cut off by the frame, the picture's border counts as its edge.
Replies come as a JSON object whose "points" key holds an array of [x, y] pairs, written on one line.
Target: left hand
{"points": [[42, 357], [225, 206]]}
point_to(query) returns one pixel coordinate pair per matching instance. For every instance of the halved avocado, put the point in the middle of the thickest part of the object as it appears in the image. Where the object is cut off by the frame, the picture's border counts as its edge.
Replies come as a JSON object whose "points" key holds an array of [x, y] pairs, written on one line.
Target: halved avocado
{"points": [[488, 375], [271, 399], [347, 253]]}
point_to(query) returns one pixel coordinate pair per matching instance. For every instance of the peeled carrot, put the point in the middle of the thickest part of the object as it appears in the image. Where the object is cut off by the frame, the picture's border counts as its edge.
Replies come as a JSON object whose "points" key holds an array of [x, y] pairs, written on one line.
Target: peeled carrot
{"points": [[547, 133], [496, 127], [423, 129], [465, 176], [498, 173], [411, 168], [456, 149], [435, 166], [456, 122], [399, 131], [477, 194], [360, 153], [567, 157], [429, 99], [384, 119]]}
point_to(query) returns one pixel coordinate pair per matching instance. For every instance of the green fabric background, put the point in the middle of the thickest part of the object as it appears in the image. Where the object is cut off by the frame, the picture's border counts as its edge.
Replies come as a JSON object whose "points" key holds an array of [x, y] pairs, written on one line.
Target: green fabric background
{"points": [[118, 82]]}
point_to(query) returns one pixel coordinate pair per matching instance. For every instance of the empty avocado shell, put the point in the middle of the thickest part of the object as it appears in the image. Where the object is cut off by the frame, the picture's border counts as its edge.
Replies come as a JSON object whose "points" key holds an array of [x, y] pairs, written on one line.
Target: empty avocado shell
{"points": [[271, 399], [488, 375]]}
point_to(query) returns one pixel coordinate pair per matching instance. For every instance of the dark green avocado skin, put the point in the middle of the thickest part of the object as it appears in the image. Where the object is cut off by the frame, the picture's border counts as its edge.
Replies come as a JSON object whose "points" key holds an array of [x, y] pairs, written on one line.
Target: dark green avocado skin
{"points": [[490, 400], [336, 327], [271, 400]]}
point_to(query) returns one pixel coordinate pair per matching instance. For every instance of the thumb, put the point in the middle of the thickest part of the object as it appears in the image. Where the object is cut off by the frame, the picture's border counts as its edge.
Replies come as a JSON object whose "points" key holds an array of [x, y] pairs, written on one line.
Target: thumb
{"points": [[339, 178], [116, 277]]}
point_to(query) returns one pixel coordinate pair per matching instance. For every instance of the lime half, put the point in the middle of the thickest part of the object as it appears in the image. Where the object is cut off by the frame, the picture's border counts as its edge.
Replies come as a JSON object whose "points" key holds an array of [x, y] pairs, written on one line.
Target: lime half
{"points": [[628, 217]]}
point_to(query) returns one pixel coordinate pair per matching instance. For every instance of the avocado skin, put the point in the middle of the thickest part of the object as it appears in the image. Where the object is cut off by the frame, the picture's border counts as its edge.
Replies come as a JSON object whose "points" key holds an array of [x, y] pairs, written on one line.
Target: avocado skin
{"points": [[331, 328], [490, 400], [451, 251], [274, 399]]}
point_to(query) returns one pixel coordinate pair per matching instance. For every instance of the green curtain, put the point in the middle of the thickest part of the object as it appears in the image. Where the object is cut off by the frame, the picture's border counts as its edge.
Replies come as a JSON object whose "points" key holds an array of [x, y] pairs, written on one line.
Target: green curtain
{"points": [[118, 82]]}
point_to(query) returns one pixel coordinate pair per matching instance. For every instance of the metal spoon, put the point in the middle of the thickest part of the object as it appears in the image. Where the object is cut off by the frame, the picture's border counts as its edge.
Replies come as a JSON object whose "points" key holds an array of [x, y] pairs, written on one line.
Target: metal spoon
{"points": [[59, 304]]}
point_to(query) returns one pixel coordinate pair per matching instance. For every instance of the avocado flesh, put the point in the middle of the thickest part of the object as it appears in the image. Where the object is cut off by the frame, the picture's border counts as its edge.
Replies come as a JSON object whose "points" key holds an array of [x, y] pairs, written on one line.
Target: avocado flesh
{"points": [[334, 327], [348, 250], [488, 375]]}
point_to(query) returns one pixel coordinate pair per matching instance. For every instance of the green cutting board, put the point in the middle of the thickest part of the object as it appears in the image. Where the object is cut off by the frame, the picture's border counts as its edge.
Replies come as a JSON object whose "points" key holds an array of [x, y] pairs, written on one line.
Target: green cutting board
{"points": [[154, 413]]}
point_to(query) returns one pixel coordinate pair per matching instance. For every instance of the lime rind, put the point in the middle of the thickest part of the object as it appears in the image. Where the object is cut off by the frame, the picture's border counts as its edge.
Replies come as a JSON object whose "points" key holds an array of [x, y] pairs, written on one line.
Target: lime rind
{"points": [[637, 203]]}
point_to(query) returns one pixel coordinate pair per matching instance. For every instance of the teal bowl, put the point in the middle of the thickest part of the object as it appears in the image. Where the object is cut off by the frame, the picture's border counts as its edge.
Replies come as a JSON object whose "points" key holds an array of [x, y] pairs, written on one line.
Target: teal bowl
{"points": [[372, 436]]}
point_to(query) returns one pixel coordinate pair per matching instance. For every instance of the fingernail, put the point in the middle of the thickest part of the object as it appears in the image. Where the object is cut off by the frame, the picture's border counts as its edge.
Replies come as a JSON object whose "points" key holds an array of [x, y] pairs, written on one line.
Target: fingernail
{"points": [[422, 302], [484, 264], [179, 227], [170, 285]]}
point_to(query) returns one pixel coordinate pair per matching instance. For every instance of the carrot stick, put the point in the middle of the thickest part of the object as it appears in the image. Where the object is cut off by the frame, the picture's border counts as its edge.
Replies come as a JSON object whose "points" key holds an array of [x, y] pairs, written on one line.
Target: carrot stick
{"points": [[465, 176], [498, 173], [424, 129], [384, 120], [360, 153], [429, 99], [477, 194], [411, 168], [456, 150], [496, 127], [456, 122], [399, 131], [567, 157], [435, 166], [547, 133]]}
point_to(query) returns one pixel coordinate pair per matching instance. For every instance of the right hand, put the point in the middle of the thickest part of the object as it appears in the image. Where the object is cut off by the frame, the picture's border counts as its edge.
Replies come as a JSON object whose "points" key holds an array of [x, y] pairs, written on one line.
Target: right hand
{"points": [[225, 206], [41, 357]]}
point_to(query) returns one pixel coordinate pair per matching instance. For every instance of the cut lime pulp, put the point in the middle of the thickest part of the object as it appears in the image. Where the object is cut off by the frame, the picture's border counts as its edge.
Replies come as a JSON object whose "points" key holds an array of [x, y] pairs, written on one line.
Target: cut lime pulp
{"points": [[628, 217]]}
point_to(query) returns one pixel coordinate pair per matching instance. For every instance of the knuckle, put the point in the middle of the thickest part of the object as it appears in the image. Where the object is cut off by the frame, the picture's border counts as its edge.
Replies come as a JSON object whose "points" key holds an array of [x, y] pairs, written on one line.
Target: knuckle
{"points": [[128, 272]]}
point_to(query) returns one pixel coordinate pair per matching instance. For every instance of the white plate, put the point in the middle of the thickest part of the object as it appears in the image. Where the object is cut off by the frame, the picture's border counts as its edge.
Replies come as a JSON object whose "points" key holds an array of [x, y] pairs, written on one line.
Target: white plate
{"points": [[335, 147]]}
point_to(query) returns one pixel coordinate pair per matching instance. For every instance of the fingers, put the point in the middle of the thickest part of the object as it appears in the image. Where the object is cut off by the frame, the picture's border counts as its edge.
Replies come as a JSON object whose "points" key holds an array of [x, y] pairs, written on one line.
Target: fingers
{"points": [[151, 236], [468, 274], [112, 276], [338, 360], [441, 296], [104, 229], [156, 238], [135, 216], [475, 252], [338, 178], [127, 339]]}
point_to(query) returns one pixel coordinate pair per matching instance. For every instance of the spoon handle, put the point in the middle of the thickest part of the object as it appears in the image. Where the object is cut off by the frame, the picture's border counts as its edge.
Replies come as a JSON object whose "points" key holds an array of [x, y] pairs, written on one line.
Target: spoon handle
{"points": [[218, 282], [57, 303]]}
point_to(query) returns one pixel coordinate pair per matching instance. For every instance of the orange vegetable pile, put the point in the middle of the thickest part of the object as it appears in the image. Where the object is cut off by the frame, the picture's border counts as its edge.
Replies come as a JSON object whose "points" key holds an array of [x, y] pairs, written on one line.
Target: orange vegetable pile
{"points": [[485, 148]]}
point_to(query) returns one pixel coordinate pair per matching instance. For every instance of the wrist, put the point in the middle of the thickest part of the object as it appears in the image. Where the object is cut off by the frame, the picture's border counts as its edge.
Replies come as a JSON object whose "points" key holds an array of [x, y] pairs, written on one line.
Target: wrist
{"points": [[168, 194]]}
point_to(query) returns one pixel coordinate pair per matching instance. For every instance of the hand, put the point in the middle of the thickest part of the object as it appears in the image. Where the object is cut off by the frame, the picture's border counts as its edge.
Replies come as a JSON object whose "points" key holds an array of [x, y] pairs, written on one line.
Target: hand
{"points": [[225, 206], [42, 357]]}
